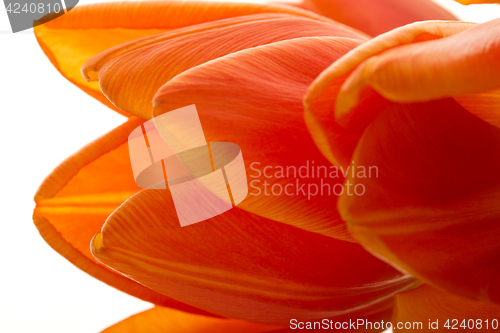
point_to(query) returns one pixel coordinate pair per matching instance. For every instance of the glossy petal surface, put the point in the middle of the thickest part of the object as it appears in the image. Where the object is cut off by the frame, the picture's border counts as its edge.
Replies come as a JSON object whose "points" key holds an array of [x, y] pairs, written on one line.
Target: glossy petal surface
{"points": [[461, 61], [160, 320], [328, 104], [253, 99], [339, 89], [376, 17], [432, 210], [76, 198], [426, 303], [86, 30], [131, 75], [244, 266]]}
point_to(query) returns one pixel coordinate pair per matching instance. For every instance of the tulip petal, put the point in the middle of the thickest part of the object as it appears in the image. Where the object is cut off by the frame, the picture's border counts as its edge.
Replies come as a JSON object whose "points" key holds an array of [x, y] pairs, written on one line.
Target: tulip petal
{"points": [[351, 103], [160, 320], [376, 17], [433, 208], [77, 197], [71, 39], [131, 75], [336, 143], [462, 63], [253, 99], [92, 66], [243, 266], [428, 305], [485, 105]]}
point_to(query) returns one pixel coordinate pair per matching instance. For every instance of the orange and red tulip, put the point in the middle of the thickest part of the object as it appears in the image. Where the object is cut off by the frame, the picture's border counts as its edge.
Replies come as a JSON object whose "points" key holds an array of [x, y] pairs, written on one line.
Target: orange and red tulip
{"points": [[288, 85], [435, 87]]}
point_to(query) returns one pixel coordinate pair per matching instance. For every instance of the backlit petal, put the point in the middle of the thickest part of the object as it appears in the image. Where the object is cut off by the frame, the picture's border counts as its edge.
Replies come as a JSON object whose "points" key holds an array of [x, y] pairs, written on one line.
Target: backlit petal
{"points": [[86, 30], [321, 100], [355, 106], [376, 17], [77, 197], [444, 310], [253, 98], [461, 63], [161, 320], [433, 208], [485, 105], [335, 142], [131, 74], [242, 266]]}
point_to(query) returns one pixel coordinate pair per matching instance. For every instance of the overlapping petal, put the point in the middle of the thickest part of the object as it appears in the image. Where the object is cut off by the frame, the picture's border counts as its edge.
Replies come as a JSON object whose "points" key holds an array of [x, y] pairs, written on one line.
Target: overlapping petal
{"points": [[130, 74], [160, 320], [253, 98], [450, 312], [376, 17], [339, 87], [327, 104], [433, 209], [335, 142], [243, 266], [345, 95], [71, 39], [77, 197], [420, 62], [462, 63], [275, 257]]}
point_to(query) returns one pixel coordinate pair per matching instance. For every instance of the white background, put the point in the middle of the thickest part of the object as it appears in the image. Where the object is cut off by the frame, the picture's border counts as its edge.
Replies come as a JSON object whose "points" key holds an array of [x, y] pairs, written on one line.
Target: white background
{"points": [[44, 119]]}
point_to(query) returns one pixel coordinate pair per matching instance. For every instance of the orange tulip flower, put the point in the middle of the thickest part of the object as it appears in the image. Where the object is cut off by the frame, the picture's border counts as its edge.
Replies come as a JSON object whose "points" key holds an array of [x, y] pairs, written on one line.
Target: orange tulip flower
{"points": [[418, 102], [424, 103]]}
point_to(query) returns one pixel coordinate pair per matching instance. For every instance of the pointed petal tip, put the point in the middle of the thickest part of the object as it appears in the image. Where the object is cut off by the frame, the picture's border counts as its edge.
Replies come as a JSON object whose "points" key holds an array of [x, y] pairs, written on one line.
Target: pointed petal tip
{"points": [[88, 74], [370, 65], [96, 244]]}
